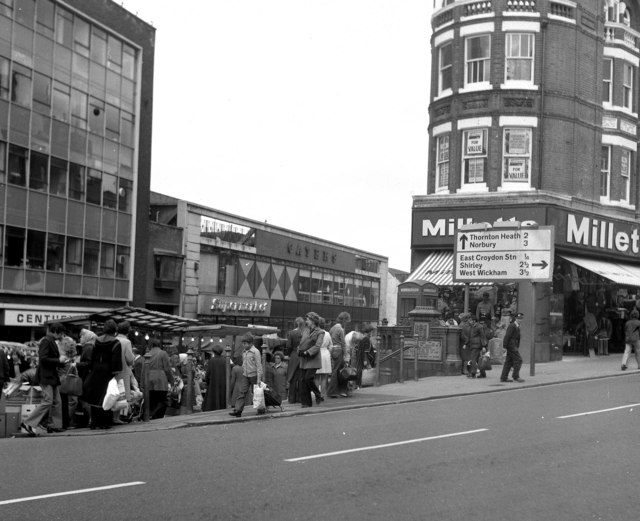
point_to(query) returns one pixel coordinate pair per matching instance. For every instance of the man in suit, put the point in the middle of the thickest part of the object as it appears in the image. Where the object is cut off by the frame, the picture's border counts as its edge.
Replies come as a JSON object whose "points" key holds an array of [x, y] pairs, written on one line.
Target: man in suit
{"points": [[48, 363], [511, 343]]}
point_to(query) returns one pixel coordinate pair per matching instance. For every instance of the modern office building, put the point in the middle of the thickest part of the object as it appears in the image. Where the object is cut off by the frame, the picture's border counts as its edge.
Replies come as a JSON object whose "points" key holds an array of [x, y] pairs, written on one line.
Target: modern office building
{"points": [[233, 270], [76, 85], [533, 117]]}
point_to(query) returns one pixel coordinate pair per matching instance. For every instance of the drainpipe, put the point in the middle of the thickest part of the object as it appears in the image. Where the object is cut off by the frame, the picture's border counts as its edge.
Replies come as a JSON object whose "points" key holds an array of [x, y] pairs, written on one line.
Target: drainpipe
{"points": [[543, 31]]}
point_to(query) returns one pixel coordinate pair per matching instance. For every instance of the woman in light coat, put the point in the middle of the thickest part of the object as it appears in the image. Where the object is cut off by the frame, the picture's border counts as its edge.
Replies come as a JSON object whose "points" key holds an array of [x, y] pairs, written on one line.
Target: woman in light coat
{"points": [[322, 374]]}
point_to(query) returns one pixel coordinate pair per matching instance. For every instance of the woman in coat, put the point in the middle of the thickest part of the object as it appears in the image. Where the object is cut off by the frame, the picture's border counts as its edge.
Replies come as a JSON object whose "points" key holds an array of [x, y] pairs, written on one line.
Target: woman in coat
{"points": [[160, 375], [216, 380], [106, 362], [309, 359], [280, 375], [293, 369]]}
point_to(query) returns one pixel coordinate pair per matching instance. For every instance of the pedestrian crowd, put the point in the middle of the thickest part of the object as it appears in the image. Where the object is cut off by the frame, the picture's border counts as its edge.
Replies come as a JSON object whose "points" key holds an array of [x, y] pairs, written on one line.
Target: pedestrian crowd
{"points": [[486, 328], [75, 373], [317, 362]]}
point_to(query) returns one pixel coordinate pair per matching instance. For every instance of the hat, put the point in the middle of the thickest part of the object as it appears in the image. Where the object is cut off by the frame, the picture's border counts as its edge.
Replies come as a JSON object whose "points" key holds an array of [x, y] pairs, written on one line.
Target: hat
{"points": [[217, 349], [247, 337], [465, 316], [519, 315]]}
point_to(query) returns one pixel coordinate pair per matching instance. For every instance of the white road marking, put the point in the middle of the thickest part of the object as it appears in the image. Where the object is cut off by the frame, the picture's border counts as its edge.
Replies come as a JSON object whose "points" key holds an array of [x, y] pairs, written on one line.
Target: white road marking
{"points": [[384, 446], [71, 492], [598, 412]]}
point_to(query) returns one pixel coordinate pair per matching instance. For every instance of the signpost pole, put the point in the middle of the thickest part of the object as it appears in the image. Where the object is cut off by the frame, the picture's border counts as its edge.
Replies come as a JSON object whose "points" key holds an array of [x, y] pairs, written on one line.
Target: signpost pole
{"points": [[532, 350]]}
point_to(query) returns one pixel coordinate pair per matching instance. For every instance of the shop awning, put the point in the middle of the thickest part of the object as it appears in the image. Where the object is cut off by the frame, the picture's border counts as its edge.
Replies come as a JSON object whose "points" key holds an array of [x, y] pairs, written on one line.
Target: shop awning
{"points": [[437, 268], [624, 274]]}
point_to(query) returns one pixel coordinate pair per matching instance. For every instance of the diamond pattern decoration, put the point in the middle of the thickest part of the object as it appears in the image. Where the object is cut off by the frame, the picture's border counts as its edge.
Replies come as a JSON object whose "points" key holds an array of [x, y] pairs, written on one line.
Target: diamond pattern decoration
{"points": [[263, 277], [245, 277], [277, 282], [291, 283]]}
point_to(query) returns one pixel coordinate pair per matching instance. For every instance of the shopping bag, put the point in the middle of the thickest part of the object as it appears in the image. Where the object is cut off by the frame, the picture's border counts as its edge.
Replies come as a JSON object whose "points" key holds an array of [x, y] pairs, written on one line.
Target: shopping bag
{"points": [[71, 383], [112, 395], [485, 363], [258, 395], [348, 373]]}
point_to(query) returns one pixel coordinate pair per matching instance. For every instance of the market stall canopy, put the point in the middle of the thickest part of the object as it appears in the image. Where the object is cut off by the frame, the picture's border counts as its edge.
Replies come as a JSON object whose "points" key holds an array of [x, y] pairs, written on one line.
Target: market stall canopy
{"points": [[139, 318], [624, 274], [222, 330]]}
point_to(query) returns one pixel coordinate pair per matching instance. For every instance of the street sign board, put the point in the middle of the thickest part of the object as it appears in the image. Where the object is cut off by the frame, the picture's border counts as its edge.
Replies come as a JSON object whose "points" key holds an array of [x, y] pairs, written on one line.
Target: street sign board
{"points": [[500, 254]]}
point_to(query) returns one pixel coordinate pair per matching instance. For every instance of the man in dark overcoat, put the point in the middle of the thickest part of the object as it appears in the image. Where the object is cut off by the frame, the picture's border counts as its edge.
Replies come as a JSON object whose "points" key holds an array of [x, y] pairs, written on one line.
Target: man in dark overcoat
{"points": [[511, 343]]}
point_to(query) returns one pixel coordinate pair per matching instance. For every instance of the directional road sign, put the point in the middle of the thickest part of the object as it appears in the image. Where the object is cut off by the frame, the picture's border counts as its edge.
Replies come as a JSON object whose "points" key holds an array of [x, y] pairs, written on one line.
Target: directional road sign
{"points": [[504, 255]]}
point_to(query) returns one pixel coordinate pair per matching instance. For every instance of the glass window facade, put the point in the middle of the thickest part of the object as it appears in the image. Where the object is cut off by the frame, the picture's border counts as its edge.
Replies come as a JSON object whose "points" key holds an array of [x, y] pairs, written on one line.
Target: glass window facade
{"points": [[68, 90]]}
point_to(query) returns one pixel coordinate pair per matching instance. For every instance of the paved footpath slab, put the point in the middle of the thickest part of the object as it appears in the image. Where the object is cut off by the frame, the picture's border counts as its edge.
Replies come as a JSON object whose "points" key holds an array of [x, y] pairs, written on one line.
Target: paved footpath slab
{"points": [[567, 370]]}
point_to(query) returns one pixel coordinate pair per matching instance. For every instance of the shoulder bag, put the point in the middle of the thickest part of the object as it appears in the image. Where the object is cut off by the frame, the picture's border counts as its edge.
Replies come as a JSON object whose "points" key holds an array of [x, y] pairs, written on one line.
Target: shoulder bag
{"points": [[71, 383]]}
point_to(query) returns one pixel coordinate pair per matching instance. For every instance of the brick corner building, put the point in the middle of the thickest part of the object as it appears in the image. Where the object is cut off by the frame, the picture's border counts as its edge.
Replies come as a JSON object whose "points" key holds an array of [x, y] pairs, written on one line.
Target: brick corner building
{"points": [[533, 117]]}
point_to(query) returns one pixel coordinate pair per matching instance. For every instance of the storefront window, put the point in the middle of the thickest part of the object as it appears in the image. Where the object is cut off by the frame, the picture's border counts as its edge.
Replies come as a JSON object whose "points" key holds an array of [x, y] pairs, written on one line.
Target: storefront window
{"points": [[348, 291], [358, 299], [375, 294], [327, 288], [304, 286], [316, 287], [338, 290]]}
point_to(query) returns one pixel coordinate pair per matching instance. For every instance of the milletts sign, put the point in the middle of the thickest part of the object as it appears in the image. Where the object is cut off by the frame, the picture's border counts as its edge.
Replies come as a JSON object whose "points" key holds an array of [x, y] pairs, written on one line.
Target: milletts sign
{"points": [[572, 229]]}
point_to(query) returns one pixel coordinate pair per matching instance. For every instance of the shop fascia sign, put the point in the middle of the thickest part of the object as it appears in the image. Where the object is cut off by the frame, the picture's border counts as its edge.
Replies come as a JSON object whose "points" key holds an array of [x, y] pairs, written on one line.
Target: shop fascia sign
{"points": [[21, 317], [572, 229], [238, 305]]}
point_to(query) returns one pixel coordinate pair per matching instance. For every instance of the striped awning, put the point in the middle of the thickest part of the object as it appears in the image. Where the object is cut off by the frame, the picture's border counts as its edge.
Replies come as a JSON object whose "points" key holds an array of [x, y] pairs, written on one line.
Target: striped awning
{"points": [[437, 268], [624, 274]]}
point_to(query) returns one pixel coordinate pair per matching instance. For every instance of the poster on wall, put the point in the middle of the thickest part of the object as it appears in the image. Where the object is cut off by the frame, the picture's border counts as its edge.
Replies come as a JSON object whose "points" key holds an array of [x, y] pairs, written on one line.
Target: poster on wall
{"points": [[475, 142], [516, 170]]}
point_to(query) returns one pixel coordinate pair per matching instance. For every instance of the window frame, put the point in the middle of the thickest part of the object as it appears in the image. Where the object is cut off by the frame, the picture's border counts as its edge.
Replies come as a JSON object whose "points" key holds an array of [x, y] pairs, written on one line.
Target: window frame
{"points": [[509, 155], [605, 173], [443, 163], [520, 58], [472, 65], [628, 73], [468, 157], [446, 69], [607, 81], [626, 174]]}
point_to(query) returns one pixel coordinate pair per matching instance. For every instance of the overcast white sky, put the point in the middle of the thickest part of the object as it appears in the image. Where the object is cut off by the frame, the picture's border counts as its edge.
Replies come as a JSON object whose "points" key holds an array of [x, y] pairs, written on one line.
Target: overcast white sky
{"points": [[311, 115]]}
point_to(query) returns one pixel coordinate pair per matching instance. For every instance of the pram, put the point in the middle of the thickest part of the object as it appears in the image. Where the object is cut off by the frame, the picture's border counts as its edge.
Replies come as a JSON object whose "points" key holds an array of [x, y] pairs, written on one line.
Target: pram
{"points": [[135, 410]]}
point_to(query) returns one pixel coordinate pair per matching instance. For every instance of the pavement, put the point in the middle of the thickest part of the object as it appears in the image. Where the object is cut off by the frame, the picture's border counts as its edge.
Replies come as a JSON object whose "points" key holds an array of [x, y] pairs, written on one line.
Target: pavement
{"points": [[569, 369]]}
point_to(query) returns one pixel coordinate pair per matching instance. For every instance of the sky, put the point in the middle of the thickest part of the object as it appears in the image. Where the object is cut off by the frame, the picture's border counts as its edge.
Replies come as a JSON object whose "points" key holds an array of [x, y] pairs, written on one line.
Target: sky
{"points": [[311, 115]]}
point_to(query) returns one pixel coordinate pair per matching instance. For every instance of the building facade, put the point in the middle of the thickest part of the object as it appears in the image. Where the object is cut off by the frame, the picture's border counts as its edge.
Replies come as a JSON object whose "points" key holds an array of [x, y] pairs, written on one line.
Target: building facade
{"points": [[239, 271], [76, 91], [533, 117]]}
